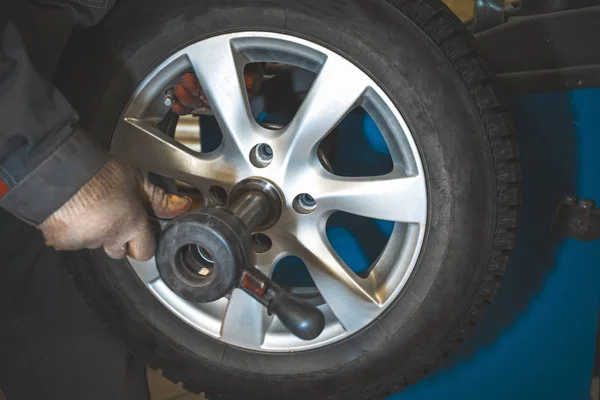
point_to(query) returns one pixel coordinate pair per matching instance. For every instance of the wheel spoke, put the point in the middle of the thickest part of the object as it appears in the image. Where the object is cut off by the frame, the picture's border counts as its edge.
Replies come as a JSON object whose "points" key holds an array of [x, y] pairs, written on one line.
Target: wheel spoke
{"points": [[266, 261], [146, 270], [244, 321], [335, 92], [352, 299], [140, 143], [390, 197], [219, 68]]}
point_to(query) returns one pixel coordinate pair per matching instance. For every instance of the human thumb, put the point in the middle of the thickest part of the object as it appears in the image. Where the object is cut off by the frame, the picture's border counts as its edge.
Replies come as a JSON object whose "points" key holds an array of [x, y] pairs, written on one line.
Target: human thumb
{"points": [[165, 205]]}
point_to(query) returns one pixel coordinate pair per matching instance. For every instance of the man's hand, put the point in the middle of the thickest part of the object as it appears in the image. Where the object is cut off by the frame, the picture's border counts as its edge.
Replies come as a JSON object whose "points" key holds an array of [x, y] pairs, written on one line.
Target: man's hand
{"points": [[190, 98], [110, 211]]}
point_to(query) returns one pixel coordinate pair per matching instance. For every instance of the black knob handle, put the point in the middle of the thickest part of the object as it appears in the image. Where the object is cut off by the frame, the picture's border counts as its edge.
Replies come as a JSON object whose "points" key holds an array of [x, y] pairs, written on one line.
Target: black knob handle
{"points": [[302, 318]]}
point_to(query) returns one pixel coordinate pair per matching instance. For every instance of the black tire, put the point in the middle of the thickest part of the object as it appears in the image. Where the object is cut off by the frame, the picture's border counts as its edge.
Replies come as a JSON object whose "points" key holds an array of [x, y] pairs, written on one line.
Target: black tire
{"points": [[427, 61]]}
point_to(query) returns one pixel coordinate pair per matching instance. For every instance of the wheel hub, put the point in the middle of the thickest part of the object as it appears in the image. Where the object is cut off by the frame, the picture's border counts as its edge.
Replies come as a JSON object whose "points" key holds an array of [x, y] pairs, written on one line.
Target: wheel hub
{"points": [[272, 193], [202, 255]]}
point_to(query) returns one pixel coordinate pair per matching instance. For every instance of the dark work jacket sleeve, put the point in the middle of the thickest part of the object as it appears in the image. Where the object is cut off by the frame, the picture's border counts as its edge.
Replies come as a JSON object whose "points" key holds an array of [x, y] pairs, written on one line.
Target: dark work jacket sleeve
{"points": [[44, 157]]}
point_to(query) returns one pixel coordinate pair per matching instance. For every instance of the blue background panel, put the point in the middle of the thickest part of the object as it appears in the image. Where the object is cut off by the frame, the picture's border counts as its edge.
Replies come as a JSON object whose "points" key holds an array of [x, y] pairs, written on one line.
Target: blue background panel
{"points": [[538, 339]]}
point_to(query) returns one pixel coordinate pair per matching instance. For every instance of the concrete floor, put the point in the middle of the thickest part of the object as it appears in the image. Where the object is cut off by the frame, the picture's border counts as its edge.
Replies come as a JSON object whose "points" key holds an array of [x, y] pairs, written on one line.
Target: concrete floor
{"points": [[162, 389]]}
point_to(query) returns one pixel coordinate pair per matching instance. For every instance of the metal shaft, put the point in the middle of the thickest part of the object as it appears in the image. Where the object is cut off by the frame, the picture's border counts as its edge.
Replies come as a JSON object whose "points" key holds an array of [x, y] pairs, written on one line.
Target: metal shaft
{"points": [[252, 207]]}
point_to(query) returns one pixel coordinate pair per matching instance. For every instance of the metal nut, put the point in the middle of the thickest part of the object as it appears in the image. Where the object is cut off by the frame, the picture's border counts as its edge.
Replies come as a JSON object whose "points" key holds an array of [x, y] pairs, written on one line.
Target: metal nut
{"points": [[169, 98]]}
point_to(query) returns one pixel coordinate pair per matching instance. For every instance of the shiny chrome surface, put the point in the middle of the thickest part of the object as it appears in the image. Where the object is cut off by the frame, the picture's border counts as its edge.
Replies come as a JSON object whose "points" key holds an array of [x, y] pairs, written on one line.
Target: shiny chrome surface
{"points": [[252, 207], [349, 302], [268, 189], [261, 155]]}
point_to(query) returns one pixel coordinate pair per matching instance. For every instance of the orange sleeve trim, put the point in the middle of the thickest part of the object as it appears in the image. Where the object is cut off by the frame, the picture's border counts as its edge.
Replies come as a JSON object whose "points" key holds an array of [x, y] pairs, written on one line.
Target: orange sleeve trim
{"points": [[3, 188]]}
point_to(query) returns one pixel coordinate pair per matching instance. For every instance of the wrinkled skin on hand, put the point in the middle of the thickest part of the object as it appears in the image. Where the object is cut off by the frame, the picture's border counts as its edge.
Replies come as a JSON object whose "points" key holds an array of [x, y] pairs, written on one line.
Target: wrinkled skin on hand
{"points": [[111, 211]]}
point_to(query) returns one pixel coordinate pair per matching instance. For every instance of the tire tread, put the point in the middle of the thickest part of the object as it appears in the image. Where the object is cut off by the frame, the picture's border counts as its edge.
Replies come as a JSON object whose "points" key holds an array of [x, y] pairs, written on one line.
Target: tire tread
{"points": [[460, 48]]}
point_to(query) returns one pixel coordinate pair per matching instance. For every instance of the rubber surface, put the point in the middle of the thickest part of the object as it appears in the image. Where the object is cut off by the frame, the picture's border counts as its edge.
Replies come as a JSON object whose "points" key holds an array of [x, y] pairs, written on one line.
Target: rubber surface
{"points": [[221, 233], [427, 62]]}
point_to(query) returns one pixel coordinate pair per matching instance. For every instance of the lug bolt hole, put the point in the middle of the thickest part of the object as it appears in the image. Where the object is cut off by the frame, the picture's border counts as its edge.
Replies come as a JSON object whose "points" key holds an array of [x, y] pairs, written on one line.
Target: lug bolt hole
{"points": [[261, 155], [304, 203], [261, 243], [217, 195]]}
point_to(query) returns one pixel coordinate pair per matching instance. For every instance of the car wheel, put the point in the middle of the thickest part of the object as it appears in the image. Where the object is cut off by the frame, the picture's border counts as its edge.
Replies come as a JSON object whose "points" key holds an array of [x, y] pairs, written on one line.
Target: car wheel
{"points": [[399, 234]]}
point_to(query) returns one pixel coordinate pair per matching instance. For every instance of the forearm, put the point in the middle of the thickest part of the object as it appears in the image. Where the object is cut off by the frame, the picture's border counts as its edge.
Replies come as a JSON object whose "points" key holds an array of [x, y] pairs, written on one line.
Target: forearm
{"points": [[44, 156]]}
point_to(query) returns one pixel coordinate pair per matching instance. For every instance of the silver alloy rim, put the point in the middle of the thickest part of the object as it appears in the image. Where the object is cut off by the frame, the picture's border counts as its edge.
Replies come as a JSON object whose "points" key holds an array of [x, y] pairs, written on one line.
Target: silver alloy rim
{"points": [[350, 302]]}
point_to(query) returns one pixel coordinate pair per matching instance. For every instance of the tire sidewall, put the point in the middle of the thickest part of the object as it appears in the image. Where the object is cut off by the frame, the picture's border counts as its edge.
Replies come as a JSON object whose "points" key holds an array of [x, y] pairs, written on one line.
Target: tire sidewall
{"points": [[445, 125]]}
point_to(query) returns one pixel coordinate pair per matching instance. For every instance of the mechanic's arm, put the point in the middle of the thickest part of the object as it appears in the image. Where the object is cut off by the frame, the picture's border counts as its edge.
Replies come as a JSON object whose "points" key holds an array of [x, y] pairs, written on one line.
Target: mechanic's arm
{"points": [[54, 176]]}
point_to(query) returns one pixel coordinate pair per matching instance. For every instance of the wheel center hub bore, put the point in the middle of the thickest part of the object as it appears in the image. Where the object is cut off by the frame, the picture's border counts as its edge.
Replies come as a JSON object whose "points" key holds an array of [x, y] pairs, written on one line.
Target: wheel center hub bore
{"points": [[204, 255], [266, 187]]}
